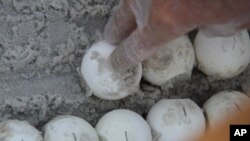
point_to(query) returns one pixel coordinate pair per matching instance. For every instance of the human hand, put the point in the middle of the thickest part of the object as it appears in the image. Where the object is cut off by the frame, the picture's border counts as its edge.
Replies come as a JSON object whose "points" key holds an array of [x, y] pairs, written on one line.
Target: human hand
{"points": [[140, 27]]}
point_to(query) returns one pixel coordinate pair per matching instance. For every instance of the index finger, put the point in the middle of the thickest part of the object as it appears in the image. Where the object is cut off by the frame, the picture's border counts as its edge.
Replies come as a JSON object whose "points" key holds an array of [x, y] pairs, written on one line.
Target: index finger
{"points": [[121, 24]]}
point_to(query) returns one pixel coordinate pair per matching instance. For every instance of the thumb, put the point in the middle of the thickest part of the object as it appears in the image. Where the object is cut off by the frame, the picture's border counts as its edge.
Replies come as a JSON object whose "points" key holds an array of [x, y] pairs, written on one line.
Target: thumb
{"points": [[227, 29]]}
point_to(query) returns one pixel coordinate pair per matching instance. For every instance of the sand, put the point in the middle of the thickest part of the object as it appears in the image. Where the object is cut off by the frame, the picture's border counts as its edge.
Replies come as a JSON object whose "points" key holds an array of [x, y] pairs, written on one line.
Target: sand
{"points": [[42, 43]]}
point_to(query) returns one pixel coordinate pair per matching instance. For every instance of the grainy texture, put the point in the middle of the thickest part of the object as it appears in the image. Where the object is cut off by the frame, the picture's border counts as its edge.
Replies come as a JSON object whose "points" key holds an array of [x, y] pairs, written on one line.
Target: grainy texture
{"points": [[41, 47]]}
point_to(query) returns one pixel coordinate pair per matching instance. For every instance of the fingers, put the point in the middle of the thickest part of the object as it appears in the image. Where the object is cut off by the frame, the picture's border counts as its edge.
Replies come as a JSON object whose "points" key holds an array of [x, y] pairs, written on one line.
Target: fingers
{"points": [[145, 41], [128, 53], [226, 29], [140, 45], [245, 22], [141, 38], [223, 30], [121, 24]]}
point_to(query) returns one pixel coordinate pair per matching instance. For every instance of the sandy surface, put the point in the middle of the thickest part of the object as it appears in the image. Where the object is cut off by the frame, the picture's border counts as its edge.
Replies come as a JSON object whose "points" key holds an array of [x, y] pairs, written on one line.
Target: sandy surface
{"points": [[41, 46]]}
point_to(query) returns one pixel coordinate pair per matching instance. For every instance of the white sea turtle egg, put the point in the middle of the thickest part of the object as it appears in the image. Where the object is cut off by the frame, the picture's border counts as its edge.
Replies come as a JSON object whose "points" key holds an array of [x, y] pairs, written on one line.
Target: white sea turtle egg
{"points": [[176, 120], [69, 128], [15, 130], [222, 57], [173, 59], [102, 79], [123, 125], [223, 106]]}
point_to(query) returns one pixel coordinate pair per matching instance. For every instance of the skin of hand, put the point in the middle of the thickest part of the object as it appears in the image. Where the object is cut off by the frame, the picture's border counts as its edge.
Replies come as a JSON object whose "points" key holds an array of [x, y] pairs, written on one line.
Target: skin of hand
{"points": [[222, 132], [140, 27]]}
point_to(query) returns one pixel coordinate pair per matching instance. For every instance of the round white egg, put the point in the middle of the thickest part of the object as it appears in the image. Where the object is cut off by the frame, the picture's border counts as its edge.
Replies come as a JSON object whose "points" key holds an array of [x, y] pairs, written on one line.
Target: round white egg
{"points": [[176, 120], [123, 125], [223, 106], [69, 128], [102, 79], [15, 130], [222, 57], [173, 59]]}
